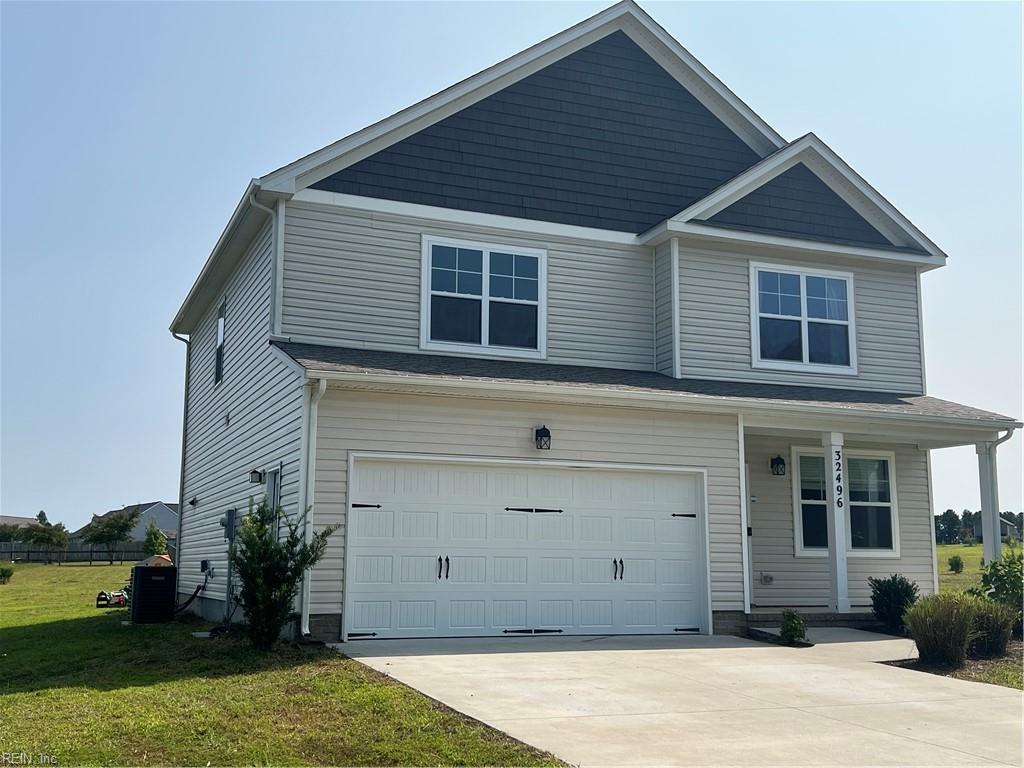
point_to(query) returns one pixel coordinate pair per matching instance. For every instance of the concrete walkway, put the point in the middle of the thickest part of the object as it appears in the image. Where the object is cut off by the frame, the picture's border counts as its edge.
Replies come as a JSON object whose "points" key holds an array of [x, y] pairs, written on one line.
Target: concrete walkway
{"points": [[604, 701]]}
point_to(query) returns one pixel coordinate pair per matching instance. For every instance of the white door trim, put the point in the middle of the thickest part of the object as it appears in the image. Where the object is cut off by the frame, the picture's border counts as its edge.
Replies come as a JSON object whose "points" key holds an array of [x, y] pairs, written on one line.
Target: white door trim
{"points": [[354, 456]]}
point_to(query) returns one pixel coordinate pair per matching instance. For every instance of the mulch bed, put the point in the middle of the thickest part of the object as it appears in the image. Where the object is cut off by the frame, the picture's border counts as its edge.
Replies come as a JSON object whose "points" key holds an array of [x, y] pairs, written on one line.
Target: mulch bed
{"points": [[973, 669]]}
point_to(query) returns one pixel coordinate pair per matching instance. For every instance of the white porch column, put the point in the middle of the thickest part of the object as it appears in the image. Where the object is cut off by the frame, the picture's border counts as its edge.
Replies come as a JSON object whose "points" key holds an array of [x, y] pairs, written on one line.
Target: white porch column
{"points": [[988, 479], [835, 483]]}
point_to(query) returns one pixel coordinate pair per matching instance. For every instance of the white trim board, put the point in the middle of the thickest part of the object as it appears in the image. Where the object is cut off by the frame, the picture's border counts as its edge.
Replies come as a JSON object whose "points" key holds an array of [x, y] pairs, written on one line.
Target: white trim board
{"points": [[775, 414], [467, 218], [625, 16]]}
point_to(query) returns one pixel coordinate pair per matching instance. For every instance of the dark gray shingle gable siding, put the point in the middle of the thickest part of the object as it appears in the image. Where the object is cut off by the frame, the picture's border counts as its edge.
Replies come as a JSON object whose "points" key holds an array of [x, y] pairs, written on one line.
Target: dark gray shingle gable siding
{"points": [[799, 204], [602, 138]]}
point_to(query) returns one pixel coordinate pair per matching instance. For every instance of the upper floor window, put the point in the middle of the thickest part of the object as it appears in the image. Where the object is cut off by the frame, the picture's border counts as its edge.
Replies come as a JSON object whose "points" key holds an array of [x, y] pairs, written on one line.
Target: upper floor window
{"points": [[870, 513], [218, 359], [802, 320], [483, 298]]}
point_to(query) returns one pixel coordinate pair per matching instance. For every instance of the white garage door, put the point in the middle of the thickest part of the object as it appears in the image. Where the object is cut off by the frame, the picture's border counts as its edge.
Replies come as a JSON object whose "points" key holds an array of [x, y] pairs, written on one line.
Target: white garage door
{"points": [[448, 549]]}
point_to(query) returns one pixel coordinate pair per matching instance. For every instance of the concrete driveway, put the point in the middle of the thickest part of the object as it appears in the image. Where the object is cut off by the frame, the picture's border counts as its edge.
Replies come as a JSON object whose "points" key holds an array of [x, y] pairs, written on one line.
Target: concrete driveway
{"points": [[712, 700]]}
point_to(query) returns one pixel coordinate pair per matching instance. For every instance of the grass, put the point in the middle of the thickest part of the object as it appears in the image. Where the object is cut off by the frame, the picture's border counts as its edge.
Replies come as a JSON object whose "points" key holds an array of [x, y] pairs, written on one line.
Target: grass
{"points": [[77, 685], [971, 575]]}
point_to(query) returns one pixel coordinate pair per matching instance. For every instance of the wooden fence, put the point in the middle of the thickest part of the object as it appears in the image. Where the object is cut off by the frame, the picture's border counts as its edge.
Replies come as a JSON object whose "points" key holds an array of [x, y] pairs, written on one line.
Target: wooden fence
{"points": [[75, 552]]}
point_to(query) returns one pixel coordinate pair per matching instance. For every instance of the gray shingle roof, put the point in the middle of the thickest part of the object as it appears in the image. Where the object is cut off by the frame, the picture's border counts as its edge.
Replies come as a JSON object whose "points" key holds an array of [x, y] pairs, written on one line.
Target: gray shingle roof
{"points": [[413, 365]]}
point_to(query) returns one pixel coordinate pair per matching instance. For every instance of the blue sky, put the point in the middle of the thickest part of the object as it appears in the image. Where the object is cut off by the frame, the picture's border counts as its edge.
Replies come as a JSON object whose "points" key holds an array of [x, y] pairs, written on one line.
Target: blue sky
{"points": [[129, 131]]}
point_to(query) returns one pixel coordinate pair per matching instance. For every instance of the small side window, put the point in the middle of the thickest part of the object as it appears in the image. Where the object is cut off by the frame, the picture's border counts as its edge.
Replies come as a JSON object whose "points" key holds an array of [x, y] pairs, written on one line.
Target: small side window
{"points": [[274, 488], [218, 362]]}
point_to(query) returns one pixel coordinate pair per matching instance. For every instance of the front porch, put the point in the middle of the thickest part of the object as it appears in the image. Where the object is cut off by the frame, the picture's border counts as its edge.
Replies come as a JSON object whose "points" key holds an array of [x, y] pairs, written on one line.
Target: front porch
{"points": [[825, 509]]}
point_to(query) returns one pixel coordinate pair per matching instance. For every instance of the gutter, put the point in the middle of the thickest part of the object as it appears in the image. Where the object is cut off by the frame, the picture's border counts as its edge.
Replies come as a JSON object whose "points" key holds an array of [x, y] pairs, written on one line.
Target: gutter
{"points": [[692, 402], [307, 526], [181, 479]]}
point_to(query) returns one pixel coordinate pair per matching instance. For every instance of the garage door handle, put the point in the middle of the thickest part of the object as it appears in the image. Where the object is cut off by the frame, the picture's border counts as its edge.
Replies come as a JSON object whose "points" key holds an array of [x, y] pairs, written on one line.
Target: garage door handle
{"points": [[615, 569], [439, 566], [622, 569], [447, 566]]}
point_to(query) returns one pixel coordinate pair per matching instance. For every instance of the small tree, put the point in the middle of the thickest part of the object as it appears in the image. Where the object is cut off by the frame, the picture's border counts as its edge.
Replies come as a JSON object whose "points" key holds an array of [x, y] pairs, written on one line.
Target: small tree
{"points": [[112, 529], [10, 532], [155, 542], [45, 535], [270, 568]]}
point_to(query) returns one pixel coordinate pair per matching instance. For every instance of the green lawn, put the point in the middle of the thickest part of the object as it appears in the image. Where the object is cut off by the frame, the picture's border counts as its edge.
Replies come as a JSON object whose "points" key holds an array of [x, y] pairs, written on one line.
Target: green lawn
{"points": [[971, 576], [78, 685]]}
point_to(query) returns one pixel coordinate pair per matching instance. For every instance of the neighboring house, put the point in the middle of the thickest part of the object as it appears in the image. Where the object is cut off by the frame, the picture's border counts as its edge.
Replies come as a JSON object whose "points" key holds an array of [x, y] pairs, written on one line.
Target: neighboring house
{"points": [[164, 514], [16, 520], [595, 242], [1007, 528]]}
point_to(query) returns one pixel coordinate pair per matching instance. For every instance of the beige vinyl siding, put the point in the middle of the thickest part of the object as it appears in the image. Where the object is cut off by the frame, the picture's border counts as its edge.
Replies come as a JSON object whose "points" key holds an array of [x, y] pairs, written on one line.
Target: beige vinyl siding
{"points": [[361, 421], [804, 581], [251, 420], [352, 278], [715, 322], [663, 336]]}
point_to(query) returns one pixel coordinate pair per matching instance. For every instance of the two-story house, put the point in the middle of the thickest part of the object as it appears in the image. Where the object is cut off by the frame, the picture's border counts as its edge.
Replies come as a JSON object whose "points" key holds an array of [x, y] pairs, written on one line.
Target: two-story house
{"points": [[577, 345]]}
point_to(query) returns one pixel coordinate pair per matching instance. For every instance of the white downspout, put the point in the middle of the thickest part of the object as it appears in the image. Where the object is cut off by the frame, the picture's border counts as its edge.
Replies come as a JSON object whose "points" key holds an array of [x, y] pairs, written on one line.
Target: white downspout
{"points": [[307, 524], [187, 341], [274, 266]]}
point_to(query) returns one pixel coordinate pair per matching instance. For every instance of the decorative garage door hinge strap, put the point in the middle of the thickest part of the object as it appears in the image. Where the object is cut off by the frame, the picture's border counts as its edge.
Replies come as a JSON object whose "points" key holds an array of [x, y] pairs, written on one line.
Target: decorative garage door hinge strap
{"points": [[684, 514], [534, 510], [687, 629], [531, 631], [366, 506], [357, 635]]}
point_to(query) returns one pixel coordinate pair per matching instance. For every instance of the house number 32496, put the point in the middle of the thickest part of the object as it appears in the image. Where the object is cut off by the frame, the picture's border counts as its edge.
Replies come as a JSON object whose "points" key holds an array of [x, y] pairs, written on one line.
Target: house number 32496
{"points": [[838, 466]]}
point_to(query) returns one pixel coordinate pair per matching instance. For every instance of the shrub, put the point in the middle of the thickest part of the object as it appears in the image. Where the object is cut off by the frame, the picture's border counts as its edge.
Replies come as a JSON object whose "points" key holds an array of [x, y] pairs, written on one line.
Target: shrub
{"points": [[993, 625], [956, 564], [270, 568], [1003, 581], [943, 627], [155, 542], [890, 598], [794, 628], [5, 574]]}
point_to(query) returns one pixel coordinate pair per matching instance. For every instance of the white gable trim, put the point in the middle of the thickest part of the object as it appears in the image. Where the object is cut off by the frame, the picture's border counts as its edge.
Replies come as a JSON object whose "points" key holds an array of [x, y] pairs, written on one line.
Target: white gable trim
{"points": [[702, 234], [625, 16], [468, 218], [833, 171]]}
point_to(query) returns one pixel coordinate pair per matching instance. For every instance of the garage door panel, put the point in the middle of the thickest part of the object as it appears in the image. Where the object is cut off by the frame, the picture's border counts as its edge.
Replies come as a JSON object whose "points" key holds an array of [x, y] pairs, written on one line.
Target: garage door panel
{"points": [[457, 550], [595, 529], [374, 523], [469, 526]]}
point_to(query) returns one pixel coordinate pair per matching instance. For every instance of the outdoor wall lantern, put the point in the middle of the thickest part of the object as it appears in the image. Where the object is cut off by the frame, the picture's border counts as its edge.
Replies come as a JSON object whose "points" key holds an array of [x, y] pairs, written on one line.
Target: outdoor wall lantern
{"points": [[542, 437], [778, 465], [255, 477]]}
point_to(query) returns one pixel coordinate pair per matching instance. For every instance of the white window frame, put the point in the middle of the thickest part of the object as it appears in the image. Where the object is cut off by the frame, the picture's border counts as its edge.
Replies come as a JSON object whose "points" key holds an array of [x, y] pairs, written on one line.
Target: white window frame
{"points": [[802, 367], [851, 552], [483, 349], [220, 334]]}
